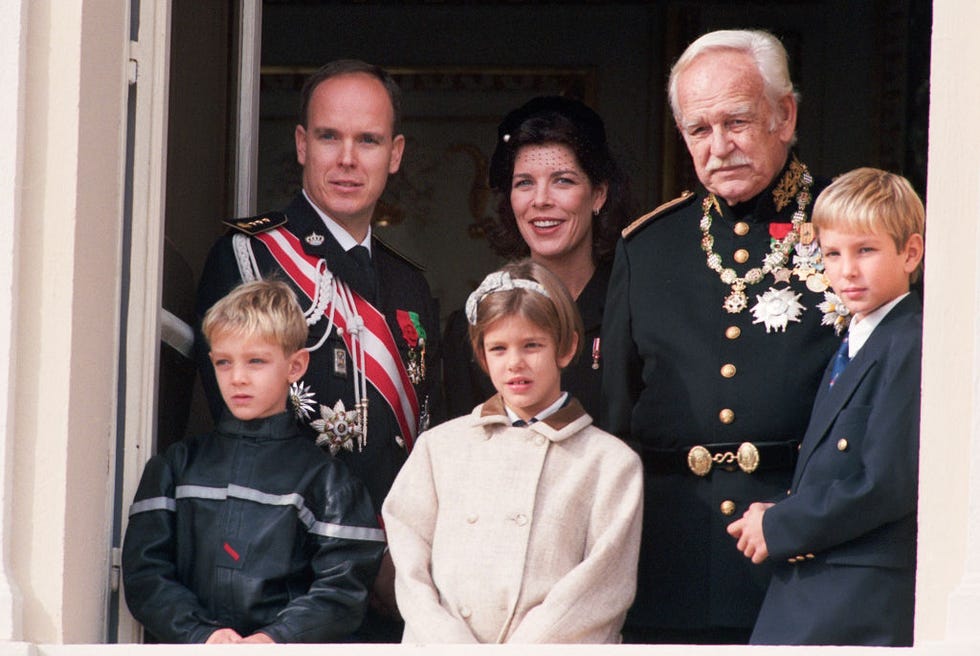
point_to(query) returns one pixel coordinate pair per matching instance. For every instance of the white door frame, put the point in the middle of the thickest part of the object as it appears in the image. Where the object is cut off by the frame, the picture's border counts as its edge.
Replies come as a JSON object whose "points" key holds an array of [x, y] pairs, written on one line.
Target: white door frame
{"points": [[150, 77]]}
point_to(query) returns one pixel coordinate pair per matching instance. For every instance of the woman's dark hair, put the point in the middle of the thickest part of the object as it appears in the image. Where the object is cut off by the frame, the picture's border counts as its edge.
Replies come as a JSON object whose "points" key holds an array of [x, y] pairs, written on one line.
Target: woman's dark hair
{"points": [[570, 123]]}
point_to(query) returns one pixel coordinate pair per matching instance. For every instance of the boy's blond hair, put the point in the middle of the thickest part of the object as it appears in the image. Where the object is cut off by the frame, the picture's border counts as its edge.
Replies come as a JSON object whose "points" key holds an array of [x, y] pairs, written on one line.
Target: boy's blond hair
{"points": [[555, 313], [870, 200], [263, 308]]}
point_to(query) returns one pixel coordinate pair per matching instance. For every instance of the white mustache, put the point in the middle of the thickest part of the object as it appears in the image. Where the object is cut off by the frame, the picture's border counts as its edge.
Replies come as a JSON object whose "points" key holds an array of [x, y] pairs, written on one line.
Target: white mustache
{"points": [[735, 159]]}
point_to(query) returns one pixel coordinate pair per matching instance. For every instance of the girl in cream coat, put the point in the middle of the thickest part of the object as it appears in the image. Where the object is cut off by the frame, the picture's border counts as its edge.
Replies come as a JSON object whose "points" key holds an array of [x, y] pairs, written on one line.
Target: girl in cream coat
{"points": [[520, 522]]}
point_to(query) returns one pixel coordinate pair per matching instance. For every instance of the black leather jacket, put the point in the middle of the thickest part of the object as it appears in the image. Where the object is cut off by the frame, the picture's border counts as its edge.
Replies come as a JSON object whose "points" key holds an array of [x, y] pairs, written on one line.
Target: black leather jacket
{"points": [[250, 527]]}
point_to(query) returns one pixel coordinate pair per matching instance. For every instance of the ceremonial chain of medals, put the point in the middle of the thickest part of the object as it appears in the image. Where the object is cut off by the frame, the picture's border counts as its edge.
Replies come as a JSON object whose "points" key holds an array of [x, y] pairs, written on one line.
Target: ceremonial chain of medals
{"points": [[777, 307], [775, 259]]}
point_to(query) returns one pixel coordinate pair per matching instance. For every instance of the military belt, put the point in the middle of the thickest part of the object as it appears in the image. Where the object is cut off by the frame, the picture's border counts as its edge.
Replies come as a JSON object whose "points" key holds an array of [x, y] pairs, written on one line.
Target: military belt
{"points": [[702, 459]]}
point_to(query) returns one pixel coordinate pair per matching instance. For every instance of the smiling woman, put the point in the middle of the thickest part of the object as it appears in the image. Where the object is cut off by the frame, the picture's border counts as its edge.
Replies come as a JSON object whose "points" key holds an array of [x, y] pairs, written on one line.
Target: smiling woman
{"points": [[563, 200]]}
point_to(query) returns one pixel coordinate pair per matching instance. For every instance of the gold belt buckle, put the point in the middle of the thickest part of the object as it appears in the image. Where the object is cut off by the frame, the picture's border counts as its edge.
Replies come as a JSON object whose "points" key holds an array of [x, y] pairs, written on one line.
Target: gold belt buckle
{"points": [[699, 460], [747, 457]]}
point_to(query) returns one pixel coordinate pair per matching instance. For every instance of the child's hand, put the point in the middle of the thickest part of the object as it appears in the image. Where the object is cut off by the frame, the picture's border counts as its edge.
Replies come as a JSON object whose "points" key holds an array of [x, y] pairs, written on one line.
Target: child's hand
{"points": [[258, 638], [223, 637], [748, 532]]}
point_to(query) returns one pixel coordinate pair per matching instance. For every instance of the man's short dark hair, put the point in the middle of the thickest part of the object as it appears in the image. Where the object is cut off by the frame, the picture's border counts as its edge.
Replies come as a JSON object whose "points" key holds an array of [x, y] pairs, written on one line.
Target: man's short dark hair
{"points": [[349, 67]]}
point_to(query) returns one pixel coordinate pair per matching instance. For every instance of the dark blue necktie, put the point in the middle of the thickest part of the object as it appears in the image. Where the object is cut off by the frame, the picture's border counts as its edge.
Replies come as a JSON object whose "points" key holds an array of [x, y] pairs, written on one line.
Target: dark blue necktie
{"points": [[841, 358], [362, 256], [521, 422]]}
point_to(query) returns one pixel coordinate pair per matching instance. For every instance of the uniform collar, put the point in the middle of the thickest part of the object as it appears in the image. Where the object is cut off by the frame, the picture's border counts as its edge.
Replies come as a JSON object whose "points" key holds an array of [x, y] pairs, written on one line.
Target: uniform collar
{"points": [[775, 203], [339, 233], [277, 427]]}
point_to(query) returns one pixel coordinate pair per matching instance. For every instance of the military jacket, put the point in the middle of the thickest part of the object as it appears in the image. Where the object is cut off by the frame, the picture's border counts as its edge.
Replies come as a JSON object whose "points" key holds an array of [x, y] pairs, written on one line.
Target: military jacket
{"points": [[680, 371], [398, 285]]}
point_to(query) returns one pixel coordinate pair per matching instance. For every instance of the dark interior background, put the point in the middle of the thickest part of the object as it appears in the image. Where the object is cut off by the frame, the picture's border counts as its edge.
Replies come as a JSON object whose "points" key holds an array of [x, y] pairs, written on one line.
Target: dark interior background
{"points": [[862, 67]]}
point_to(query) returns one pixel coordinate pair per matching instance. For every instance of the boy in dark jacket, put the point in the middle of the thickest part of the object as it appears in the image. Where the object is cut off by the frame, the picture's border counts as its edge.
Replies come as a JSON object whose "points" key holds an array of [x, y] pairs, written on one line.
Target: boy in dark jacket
{"points": [[251, 533], [843, 537]]}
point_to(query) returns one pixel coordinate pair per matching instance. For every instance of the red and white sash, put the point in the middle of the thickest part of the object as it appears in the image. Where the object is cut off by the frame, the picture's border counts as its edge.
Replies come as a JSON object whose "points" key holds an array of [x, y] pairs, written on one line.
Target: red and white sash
{"points": [[383, 365]]}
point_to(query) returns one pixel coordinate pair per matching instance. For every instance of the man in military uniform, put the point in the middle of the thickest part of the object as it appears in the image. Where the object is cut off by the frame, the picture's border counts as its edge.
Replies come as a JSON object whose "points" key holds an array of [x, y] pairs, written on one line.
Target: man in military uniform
{"points": [[717, 330], [373, 322]]}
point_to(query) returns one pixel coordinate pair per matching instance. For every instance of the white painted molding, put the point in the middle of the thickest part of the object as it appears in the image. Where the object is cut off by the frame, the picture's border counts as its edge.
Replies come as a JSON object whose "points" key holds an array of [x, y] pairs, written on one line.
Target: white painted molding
{"points": [[152, 54], [12, 80], [247, 130]]}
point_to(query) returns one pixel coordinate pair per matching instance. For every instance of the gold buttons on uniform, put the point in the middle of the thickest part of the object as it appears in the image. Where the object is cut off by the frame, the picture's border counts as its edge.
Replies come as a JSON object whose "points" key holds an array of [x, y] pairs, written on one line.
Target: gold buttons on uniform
{"points": [[727, 507], [733, 332], [741, 256], [726, 416], [728, 370], [741, 228], [842, 444]]}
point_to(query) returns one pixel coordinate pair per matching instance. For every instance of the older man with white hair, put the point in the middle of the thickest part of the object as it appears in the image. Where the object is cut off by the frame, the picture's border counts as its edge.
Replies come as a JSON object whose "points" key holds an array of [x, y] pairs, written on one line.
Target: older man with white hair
{"points": [[719, 322]]}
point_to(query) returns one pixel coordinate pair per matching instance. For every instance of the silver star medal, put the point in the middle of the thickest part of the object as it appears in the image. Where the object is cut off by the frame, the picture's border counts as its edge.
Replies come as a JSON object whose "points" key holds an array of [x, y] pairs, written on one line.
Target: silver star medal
{"points": [[808, 266], [337, 427], [302, 399], [835, 313], [776, 308]]}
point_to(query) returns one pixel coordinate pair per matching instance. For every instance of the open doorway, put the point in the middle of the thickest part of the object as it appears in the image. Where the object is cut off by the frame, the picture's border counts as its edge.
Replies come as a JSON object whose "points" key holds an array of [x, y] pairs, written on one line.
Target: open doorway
{"points": [[489, 58]]}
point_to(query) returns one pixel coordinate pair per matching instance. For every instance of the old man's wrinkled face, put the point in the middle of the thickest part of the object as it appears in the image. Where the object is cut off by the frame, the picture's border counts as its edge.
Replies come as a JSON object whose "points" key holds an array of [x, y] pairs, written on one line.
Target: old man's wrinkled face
{"points": [[738, 141]]}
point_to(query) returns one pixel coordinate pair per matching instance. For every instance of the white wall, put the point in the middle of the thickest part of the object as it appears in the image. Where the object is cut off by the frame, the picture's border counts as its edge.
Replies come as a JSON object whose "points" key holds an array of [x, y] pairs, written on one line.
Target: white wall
{"points": [[949, 506], [12, 57], [67, 314]]}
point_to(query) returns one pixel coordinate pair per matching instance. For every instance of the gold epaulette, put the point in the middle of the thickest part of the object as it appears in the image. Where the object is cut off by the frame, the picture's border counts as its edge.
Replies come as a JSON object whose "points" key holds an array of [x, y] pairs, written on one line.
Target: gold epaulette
{"points": [[404, 258], [685, 197], [254, 225]]}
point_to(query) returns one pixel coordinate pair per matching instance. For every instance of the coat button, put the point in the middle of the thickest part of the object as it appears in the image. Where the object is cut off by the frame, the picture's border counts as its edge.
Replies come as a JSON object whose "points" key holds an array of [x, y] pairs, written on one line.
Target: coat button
{"points": [[728, 370], [726, 416], [741, 228], [472, 518], [727, 507], [465, 612], [741, 256], [539, 440], [733, 332], [521, 520], [842, 444]]}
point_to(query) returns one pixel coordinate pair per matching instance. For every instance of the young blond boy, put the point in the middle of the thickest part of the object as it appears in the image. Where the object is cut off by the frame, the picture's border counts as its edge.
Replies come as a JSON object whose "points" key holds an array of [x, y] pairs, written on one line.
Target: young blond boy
{"points": [[843, 538], [251, 533]]}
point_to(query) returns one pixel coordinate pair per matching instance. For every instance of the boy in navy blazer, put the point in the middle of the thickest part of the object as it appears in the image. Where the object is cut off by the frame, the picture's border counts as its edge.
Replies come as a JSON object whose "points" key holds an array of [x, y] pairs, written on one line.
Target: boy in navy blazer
{"points": [[843, 539]]}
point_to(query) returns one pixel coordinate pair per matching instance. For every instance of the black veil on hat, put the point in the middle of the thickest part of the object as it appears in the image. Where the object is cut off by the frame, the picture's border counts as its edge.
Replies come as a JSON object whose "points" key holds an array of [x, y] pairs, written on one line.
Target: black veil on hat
{"points": [[531, 122]]}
